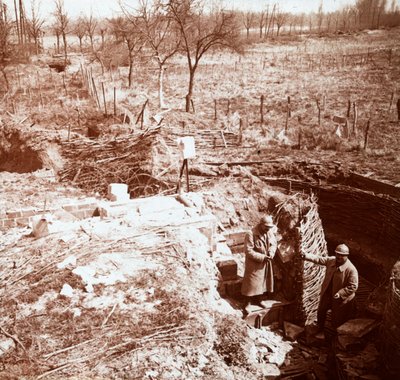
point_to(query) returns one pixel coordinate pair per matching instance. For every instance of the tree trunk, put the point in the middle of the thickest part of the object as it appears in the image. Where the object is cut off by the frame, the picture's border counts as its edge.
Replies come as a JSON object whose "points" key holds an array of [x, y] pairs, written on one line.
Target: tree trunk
{"points": [[160, 86], [190, 89], [58, 43], [130, 73], [65, 46], [80, 44], [248, 32]]}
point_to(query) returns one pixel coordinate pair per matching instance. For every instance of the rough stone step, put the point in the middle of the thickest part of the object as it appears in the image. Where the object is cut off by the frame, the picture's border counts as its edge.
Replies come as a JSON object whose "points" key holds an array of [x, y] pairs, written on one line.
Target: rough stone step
{"points": [[272, 312], [228, 269]]}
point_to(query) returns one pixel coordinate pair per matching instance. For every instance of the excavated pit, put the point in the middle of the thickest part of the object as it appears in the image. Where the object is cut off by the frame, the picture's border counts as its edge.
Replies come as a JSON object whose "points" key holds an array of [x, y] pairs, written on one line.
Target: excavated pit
{"points": [[16, 157]]}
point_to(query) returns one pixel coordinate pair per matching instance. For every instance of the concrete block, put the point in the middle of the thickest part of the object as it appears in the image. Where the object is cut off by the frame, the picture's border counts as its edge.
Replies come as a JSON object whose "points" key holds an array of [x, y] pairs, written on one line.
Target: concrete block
{"points": [[159, 204], [40, 225], [9, 223], [13, 214], [117, 192], [29, 212], [228, 269], [119, 197], [22, 221], [71, 207]]}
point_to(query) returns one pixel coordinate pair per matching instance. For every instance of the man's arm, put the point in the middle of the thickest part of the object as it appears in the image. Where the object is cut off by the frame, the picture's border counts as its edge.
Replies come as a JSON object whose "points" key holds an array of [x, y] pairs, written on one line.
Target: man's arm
{"points": [[316, 259], [249, 245]]}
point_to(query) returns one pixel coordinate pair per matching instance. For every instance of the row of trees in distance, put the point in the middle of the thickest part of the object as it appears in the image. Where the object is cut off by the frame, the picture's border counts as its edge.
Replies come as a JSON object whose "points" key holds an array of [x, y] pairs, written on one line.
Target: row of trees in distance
{"points": [[162, 28]]}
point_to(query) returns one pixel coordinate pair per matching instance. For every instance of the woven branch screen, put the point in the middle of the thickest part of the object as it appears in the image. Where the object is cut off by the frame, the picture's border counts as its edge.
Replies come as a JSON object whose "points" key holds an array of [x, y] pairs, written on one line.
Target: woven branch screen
{"points": [[94, 164], [391, 323], [301, 229], [311, 240]]}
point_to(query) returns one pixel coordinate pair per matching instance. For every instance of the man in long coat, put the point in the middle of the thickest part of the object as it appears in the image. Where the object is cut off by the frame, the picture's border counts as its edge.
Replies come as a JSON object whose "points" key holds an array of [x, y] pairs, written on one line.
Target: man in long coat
{"points": [[338, 288], [260, 249]]}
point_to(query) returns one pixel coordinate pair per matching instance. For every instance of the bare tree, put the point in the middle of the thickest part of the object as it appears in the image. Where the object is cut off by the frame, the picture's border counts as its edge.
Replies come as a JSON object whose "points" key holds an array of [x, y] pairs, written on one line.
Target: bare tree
{"points": [[200, 32], [117, 28], [80, 30], [57, 33], [160, 35], [262, 18], [5, 30], [35, 25], [271, 21], [248, 21], [129, 31], [91, 25], [103, 28], [380, 10], [280, 19], [62, 22], [320, 16]]}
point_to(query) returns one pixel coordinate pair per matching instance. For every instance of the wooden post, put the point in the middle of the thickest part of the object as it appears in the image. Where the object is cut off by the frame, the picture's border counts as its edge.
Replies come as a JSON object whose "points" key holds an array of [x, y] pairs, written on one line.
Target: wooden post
{"points": [[41, 97], [19, 78], [95, 93], [229, 107], [355, 111], [299, 139], [288, 114], [115, 101], [348, 108], [262, 110], [223, 138], [366, 134], [215, 109], [64, 84], [391, 101], [240, 138], [187, 175], [319, 112], [184, 165], [398, 109], [79, 117], [104, 98]]}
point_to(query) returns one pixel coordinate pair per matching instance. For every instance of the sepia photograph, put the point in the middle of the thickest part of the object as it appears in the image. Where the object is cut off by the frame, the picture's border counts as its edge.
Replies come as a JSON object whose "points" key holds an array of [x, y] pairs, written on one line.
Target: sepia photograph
{"points": [[200, 189]]}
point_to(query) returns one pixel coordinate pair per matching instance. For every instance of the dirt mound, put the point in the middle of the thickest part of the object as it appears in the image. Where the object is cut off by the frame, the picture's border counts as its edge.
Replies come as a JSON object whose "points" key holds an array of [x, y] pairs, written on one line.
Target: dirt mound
{"points": [[25, 149]]}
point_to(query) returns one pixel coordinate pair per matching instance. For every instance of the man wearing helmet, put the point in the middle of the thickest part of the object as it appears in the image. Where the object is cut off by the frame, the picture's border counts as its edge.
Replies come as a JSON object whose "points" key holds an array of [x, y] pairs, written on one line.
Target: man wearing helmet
{"points": [[260, 248], [338, 288]]}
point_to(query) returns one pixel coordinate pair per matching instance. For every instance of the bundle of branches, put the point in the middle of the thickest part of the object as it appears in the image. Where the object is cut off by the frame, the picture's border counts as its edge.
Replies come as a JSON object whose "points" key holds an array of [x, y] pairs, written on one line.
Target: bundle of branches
{"points": [[302, 232], [391, 318], [311, 241], [93, 164]]}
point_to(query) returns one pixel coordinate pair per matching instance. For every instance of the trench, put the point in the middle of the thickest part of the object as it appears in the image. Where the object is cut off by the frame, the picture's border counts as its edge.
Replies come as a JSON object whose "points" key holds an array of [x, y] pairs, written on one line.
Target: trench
{"points": [[17, 157], [370, 225]]}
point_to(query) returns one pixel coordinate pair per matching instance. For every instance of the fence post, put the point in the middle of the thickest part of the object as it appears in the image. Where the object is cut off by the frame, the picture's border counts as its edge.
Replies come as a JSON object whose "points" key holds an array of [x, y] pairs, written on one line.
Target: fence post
{"points": [[215, 109], [104, 98], [288, 113], [319, 112], [262, 110], [366, 134], [115, 101], [355, 111]]}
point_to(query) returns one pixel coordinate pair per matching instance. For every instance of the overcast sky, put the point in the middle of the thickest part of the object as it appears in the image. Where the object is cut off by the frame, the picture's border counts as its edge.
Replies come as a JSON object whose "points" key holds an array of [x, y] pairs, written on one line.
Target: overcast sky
{"points": [[106, 8]]}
